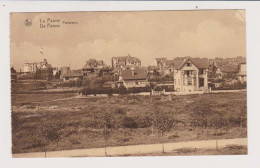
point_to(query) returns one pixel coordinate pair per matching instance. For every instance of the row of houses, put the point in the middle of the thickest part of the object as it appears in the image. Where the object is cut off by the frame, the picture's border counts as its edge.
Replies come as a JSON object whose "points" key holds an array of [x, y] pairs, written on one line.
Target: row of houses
{"points": [[187, 74]]}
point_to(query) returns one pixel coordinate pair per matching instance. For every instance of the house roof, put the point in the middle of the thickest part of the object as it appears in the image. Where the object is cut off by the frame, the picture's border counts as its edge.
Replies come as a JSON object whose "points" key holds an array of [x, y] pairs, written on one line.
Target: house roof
{"points": [[73, 74], [202, 63], [13, 70], [93, 63], [137, 74], [128, 58], [228, 69], [161, 59], [150, 67]]}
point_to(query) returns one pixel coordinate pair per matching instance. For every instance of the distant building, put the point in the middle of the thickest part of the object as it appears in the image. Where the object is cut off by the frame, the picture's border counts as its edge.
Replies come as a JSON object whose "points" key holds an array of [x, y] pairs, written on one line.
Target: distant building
{"points": [[242, 73], [29, 67], [38, 70], [13, 75], [227, 71], [55, 70], [32, 67], [42, 65], [190, 74], [125, 61], [63, 71], [133, 78], [94, 66], [165, 66], [152, 71], [44, 70], [72, 76], [109, 85]]}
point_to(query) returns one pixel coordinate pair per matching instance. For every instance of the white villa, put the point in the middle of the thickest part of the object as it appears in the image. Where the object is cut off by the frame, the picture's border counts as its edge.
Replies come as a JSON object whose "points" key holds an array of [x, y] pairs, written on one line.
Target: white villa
{"points": [[190, 74]]}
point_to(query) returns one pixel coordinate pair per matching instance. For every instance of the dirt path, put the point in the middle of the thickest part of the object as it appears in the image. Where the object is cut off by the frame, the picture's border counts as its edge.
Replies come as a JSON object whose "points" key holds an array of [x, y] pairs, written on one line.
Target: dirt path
{"points": [[136, 149]]}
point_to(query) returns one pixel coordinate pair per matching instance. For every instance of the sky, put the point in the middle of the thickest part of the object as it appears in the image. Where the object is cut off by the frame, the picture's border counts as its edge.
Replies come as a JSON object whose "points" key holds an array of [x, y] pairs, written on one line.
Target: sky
{"points": [[144, 34]]}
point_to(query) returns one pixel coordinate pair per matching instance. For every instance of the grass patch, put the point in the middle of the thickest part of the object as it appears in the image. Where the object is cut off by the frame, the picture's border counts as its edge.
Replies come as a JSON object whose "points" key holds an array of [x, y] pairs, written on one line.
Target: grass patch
{"points": [[130, 122]]}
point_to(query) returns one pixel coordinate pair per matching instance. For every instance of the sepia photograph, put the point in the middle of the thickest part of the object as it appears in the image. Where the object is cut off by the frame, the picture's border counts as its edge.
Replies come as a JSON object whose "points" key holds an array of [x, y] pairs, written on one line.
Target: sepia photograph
{"points": [[128, 83]]}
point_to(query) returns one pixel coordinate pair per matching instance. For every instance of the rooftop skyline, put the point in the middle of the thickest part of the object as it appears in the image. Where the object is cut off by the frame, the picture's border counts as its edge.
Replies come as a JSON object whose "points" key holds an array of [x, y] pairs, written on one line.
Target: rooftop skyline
{"points": [[146, 35]]}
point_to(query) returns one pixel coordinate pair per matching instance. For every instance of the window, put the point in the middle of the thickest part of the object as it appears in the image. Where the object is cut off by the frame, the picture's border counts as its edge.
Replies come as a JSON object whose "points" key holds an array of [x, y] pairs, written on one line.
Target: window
{"points": [[201, 71], [188, 64], [189, 80], [188, 73], [201, 82]]}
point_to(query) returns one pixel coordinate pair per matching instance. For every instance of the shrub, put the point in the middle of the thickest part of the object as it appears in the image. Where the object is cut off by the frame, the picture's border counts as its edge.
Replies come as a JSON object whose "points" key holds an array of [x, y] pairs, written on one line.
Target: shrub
{"points": [[52, 130], [129, 122], [110, 91], [235, 86]]}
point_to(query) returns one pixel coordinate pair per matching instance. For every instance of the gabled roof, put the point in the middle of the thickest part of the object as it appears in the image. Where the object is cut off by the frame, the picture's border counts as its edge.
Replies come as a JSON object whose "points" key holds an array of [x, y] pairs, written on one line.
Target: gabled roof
{"points": [[13, 70], [201, 63], [93, 63], [73, 74], [137, 74]]}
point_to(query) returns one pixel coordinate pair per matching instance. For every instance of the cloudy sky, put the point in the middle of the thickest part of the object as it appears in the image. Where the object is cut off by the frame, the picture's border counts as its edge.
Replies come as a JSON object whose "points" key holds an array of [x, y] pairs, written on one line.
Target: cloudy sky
{"points": [[146, 35]]}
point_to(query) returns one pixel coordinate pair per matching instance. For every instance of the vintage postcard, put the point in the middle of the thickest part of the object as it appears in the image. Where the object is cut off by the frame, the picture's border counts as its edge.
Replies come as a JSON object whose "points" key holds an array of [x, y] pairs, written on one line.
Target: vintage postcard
{"points": [[132, 83]]}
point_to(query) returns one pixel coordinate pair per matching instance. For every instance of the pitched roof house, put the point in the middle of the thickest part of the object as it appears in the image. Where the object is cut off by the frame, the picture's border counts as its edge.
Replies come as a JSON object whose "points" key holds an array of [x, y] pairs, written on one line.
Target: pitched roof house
{"points": [[73, 75], [164, 65], [133, 78], [93, 66], [190, 74], [123, 61]]}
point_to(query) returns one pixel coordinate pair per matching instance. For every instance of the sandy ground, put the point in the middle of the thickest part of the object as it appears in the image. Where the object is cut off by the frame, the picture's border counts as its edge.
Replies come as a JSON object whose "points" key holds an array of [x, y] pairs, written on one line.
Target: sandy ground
{"points": [[136, 149]]}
